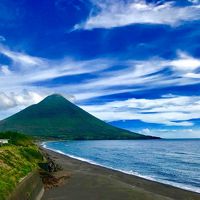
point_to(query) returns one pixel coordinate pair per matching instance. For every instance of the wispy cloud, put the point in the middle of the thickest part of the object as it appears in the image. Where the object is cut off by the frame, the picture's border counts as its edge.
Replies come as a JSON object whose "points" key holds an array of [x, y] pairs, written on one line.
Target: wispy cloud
{"points": [[141, 75], [170, 111], [111, 13], [173, 133], [136, 76], [25, 70], [20, 58]]}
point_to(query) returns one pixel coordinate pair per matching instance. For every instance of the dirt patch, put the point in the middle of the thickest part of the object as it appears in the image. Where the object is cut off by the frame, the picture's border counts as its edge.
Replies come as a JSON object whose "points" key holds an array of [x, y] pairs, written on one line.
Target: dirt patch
{"points": [[55, 179], [51, 173]]}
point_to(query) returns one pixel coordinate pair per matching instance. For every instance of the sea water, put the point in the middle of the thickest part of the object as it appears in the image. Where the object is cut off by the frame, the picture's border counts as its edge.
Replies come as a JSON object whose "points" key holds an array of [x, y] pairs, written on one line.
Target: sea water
{"points": [[173, 162]]}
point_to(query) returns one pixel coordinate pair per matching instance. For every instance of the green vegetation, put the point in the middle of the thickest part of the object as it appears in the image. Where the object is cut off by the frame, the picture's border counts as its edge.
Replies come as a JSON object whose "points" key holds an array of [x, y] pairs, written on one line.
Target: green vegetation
{"points": [[16, 138], [17, 159], [57, 118]]}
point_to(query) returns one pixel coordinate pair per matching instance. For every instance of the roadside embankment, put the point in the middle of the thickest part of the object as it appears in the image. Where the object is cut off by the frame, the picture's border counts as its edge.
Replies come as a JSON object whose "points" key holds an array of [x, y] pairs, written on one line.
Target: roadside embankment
{"points": [[18, 159], [31, 188]]}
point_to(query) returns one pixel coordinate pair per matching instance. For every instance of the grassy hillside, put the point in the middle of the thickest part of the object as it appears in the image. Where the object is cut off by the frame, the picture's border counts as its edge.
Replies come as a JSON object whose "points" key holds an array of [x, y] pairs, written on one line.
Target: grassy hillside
{"points": [[57, 118], [17, 159]]}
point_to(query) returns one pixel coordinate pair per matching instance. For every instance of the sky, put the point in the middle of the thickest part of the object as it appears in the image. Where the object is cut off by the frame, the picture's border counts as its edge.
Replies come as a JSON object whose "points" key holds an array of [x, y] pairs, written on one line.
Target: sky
{"points": [[133, 63]]}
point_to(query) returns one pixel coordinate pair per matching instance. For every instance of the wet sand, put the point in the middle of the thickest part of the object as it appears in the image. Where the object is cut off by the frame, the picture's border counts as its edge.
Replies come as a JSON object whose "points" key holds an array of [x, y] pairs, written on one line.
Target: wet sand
{"points": [[91, 182]]}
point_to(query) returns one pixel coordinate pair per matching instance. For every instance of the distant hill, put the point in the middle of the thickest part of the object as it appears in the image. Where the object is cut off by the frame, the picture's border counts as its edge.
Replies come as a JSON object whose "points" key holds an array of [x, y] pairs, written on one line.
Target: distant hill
{"points": [[57, 118]]}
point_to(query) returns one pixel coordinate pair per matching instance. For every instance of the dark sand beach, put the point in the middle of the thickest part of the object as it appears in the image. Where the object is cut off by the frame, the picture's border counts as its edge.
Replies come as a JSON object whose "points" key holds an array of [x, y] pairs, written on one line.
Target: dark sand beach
{"points": [[90, 182]]}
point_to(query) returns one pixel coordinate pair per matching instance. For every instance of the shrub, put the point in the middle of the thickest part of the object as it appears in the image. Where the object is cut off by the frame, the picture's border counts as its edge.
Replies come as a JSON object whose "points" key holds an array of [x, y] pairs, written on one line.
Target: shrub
{"points": [[16, 138]]}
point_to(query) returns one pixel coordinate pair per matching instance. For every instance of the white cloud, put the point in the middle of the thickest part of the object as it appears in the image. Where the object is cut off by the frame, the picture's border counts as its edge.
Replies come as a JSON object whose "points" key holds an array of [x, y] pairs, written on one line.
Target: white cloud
{"points": [[194, 1], [5, 70], [25, 98], [136, 76], [192, 75], [170, 111], [140, 75], [185, 63], [176, 133], [20, 58], [145, 131], [111, 13], [29, 69]]}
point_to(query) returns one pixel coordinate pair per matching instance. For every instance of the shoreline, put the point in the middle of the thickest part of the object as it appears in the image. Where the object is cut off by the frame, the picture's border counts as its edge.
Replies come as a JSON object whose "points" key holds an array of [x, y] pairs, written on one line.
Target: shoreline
{"points": [[130, 185], [125, 172]]}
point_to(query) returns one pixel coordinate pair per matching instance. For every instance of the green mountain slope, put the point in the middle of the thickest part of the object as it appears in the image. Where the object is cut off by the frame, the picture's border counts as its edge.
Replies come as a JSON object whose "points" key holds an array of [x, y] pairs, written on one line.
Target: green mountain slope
{"points": [[57, 118]]}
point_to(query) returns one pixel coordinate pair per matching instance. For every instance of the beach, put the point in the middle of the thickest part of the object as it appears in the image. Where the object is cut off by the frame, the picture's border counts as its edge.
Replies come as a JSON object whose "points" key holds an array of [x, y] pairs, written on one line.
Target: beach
{"points": [[86, 181]]}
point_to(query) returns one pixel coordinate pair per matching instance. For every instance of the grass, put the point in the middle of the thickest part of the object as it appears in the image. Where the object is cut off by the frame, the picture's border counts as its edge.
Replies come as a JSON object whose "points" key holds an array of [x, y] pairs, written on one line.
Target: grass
{"points": [[17, 159]]}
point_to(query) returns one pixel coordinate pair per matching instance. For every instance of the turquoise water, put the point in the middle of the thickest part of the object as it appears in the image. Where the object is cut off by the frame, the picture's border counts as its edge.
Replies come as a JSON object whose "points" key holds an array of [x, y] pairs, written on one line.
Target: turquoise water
{"points": [[174, 162]]}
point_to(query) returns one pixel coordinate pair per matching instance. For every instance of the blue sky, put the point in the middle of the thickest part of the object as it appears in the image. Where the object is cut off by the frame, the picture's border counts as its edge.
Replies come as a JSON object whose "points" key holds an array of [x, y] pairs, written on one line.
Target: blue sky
{"points": [[132, 63]]}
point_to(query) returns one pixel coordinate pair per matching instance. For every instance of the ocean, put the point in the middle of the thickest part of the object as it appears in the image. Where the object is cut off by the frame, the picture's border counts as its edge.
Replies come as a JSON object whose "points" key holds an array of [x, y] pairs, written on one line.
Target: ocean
{"points": [[173, 162]]}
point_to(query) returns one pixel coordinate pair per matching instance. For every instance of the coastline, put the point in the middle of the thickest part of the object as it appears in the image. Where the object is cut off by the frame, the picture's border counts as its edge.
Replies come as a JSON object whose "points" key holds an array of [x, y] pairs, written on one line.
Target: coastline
{"points": [[165, 182], [91, 181]]}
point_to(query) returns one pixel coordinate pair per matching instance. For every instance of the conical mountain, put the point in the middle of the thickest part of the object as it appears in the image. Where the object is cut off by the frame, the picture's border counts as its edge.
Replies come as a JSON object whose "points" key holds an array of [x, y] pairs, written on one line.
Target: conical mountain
{"points": [[57, 118]]}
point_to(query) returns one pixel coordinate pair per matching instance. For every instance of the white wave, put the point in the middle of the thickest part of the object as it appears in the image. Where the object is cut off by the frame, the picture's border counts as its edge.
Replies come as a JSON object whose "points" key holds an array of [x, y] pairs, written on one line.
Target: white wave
{"points": [[43, 144]]}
